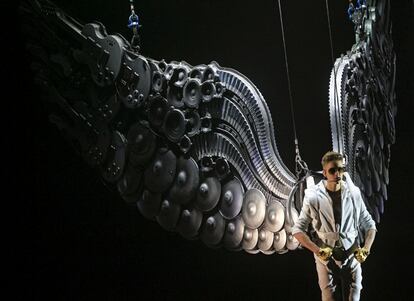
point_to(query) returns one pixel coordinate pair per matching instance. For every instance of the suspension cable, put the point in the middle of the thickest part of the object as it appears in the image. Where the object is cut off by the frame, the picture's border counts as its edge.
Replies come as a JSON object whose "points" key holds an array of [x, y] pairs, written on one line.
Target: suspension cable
{"points": [[329, 29], [287, 72], [336, 98], [300, 165]]}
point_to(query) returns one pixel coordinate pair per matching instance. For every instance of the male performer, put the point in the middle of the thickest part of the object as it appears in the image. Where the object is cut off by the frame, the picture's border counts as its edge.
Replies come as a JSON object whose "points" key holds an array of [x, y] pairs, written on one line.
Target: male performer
{"points": [[337, 213]]}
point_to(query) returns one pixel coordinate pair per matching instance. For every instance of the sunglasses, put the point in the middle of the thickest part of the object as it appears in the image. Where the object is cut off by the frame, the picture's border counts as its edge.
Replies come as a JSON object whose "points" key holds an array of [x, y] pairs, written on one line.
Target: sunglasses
{"points": [[333, 170]]}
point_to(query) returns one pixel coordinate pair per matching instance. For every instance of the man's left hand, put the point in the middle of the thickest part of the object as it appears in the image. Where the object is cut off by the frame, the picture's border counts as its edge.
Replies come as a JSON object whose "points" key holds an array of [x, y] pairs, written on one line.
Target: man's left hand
{"points": [[361, 254]]}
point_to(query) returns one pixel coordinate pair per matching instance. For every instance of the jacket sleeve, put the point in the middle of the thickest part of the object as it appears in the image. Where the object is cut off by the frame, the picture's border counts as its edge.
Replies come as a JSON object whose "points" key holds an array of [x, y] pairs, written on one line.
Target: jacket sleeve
{"points": [[365, 219], [304, 219]]}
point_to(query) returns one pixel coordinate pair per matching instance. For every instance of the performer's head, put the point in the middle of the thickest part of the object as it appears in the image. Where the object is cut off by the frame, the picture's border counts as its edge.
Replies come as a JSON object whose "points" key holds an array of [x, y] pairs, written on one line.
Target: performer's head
{"points": [[333, 166]]}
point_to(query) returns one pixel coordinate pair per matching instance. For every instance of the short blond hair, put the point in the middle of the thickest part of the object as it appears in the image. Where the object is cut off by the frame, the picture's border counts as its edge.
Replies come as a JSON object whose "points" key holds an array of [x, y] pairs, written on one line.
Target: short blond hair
{"points": [[331, 156]]}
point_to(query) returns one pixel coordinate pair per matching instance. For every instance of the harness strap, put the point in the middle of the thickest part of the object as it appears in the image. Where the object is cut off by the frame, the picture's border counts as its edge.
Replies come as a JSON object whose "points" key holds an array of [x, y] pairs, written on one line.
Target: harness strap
{"points": [[337, 235]]}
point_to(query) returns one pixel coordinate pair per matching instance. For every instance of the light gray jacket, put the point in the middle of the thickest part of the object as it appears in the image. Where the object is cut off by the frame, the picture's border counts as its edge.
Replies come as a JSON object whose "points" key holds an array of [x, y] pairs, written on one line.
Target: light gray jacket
{"points": [[317, 209]]}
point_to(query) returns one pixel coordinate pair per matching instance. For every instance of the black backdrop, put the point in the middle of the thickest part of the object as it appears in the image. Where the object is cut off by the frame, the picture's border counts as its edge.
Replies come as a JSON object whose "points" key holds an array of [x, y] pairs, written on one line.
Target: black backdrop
{"points": [[80, 241]]}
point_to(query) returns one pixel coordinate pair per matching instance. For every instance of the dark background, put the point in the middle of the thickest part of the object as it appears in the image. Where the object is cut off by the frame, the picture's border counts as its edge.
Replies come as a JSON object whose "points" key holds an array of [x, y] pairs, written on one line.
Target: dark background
{"points": [[80, 241]]}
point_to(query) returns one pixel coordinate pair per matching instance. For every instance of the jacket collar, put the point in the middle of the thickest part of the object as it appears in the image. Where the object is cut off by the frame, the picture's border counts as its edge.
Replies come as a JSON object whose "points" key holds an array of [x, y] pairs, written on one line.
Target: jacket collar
{"points": [[320, 187]]}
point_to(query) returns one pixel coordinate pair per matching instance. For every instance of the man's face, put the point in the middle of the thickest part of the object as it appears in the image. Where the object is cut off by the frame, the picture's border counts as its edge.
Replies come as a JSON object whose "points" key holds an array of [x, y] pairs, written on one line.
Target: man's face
{"points": [[333, 171]]}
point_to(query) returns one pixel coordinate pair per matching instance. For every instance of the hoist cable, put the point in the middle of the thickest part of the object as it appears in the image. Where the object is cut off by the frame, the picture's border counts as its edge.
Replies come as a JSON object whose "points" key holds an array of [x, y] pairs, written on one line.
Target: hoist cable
{"points": [[287, 71], [300, 165], [336, 98]]}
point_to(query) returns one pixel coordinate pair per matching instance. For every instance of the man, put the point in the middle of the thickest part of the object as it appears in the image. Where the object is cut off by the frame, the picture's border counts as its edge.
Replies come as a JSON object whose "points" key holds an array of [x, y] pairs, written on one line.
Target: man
{"points": [[337, 213]]}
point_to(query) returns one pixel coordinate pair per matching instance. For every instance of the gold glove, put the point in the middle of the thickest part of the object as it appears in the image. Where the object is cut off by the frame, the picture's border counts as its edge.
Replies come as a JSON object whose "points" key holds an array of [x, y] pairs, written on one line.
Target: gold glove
{"points": [[361, 254], [324, 253]]}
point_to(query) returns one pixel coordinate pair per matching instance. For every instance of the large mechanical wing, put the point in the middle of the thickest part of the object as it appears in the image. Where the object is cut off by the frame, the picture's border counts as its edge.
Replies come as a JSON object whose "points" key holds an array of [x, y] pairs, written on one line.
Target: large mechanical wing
{"points": [[362, 104], [193, 147]]}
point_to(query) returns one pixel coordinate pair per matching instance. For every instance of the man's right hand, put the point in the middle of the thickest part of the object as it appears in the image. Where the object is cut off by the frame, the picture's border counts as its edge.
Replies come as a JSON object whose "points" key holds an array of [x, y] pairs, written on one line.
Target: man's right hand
{"points": [[324, 253]]}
